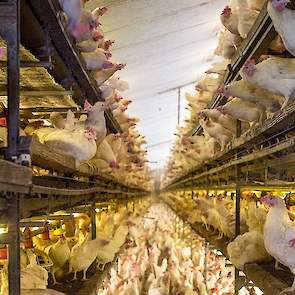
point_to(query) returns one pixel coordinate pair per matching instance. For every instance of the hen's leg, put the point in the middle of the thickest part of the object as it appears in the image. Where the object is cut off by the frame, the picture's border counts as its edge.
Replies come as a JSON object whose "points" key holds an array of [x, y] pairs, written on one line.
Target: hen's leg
{"points": [[271, 115], [286, 102], [75, 276], [99, 265], [205, 223], [55, 282], [77, 163], [261, 117], [277, 266], [252, 126], [102, 267], [220, 236], [222, 144], [229, 145], [84, 275]]}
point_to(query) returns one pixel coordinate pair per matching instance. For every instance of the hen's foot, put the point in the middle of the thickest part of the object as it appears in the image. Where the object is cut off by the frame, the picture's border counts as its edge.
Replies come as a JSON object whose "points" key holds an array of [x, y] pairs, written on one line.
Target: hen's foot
{"points": [[271, 116]]}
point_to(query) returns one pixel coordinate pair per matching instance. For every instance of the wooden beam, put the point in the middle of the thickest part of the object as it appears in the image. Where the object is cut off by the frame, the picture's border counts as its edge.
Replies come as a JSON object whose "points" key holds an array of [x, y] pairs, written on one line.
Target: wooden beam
{"points": [[13, 174], [47, 158]]}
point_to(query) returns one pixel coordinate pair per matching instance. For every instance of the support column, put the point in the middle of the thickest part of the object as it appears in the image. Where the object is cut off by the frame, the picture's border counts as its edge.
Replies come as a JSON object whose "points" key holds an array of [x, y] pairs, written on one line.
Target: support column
{"points": [[14, 245], [93, 221], [10, 31], [238, 206]]}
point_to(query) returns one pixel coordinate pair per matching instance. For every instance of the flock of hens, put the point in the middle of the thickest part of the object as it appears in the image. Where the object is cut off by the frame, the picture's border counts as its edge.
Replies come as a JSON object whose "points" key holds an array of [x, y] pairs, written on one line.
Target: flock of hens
{"points": [[68, 249], [153, 260], [85, 138], [267, 232], [266, 88], [158, 261]]}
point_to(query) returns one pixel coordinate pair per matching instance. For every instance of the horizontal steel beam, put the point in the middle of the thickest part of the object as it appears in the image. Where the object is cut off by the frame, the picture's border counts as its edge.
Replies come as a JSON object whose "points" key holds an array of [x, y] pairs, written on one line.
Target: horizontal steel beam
{"points": [[5, 238], [40, 93], [30, 64], [32, 223], [46, 110], [50, 217]]}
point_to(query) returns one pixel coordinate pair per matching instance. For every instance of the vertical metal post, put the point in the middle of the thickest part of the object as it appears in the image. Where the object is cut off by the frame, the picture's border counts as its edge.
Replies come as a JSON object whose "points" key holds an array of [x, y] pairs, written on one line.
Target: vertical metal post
{"points": [[14, 245], [207, 182], [238, 222], [10, 32], [93, 220], [93, 223], [238, 186], [13, 65], [205, 265], [238, 205], [238, 201], [178, 105], [239, 129], [176, 225]]}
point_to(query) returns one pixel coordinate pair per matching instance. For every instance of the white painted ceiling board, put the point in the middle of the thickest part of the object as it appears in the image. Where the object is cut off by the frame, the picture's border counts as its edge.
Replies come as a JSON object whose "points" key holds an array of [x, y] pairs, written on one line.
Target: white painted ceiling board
{"points": [[166, 44]]}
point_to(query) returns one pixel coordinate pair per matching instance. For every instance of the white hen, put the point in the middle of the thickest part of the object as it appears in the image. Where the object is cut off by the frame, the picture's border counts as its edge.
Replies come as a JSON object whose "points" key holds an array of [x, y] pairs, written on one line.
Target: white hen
{"points": [[261, 97], [33, 276], [97, 59], [247, 17], [279, 234], [274, 74], [60, 254], [79, 144], [283, 21], [222, 135], [73, 9], [83, 256]]}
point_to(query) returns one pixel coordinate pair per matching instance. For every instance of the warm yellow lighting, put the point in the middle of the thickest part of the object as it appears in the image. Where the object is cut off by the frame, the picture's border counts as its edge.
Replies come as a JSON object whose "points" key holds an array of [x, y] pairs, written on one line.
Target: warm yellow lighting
{"points": [[3, 230]]}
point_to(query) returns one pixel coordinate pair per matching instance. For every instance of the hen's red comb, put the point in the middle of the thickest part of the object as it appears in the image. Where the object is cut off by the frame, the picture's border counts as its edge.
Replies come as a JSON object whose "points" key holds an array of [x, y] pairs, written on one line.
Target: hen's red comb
{"points": [[250, 62], [226, 11]]}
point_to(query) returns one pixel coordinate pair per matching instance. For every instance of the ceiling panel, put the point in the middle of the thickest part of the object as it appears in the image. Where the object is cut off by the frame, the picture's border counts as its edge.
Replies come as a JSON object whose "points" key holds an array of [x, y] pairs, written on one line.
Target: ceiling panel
{"points": [[166, 44]]}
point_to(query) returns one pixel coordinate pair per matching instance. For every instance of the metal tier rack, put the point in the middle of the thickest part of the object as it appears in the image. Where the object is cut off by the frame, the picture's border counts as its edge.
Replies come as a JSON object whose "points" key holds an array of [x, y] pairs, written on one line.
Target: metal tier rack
{"points": [[262, 159], [36, 25]]}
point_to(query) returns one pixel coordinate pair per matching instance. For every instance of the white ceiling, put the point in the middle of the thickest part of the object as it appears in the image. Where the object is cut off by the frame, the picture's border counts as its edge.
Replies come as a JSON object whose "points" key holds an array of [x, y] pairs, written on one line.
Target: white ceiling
{"points": [[166, 44]]}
